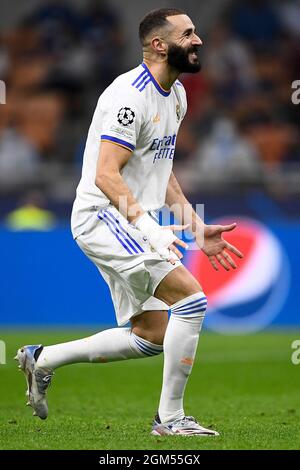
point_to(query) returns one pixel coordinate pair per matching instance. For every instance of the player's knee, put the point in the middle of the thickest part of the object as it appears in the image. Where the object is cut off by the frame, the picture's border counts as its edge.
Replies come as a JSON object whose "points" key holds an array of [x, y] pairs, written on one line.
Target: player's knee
{"points": [[154, 332], [151, 326], [193, 306], [155, 336], [177, 285]]}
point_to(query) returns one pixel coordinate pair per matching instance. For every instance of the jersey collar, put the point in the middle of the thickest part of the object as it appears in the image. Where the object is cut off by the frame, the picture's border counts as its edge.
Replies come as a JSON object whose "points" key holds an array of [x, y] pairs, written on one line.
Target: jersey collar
{"points": [[155, 82]]}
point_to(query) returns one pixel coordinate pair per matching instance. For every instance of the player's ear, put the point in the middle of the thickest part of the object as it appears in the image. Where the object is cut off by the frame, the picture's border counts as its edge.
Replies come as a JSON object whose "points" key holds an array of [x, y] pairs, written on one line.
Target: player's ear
{"points": [[159, 46]]}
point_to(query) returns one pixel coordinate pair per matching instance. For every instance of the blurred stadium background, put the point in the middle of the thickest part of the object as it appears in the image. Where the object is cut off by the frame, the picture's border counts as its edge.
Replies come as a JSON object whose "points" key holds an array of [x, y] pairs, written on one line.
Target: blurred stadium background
{"points": [[238, 153]]}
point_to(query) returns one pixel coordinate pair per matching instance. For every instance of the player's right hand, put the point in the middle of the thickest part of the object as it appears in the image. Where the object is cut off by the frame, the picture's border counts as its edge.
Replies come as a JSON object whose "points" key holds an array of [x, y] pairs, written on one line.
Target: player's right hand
{"points": [[161, 239], [172, 248]]}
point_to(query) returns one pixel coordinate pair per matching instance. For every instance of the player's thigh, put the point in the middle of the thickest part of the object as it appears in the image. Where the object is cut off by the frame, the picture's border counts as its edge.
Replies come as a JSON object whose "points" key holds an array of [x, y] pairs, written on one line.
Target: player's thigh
{"points": [[177, 285], [151, 325]]}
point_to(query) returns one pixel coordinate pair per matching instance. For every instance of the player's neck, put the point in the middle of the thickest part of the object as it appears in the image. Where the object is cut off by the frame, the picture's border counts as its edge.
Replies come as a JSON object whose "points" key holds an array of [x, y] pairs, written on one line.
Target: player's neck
{"points": [[162, 73]]}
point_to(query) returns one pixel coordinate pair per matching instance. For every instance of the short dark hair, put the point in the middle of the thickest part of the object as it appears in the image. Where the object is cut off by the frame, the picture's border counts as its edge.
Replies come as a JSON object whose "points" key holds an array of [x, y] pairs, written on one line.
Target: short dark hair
{"points": [[156, 19]]}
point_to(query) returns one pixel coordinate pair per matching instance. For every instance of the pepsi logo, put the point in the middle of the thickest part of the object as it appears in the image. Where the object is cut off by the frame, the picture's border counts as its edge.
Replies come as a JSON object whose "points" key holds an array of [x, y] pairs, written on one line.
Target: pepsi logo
{"points": [[249, 298]]}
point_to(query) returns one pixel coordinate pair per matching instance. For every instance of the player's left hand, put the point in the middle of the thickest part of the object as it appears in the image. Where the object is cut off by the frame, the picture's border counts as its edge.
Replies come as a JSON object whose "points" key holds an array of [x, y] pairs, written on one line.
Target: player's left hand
{"points": [[215, 247]]}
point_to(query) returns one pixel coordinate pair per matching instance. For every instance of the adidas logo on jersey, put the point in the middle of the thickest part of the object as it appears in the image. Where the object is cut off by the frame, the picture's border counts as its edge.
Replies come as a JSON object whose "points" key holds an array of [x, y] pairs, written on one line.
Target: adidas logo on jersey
{"points": [[156, 118]]}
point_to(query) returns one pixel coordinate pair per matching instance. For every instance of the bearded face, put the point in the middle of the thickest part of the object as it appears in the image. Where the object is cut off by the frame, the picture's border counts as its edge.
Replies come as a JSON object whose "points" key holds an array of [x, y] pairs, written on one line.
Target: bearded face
{"points": [[185, 60]]}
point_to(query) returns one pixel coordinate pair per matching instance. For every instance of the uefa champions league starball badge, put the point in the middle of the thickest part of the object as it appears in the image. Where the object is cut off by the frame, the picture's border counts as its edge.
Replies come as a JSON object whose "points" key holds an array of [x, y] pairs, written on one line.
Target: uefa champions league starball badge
{"points": [[126, 116]]}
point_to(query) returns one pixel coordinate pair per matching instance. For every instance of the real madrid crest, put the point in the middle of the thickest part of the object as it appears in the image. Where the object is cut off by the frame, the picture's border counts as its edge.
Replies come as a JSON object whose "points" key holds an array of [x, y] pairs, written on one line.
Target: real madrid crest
{"points": [[178, 112]]}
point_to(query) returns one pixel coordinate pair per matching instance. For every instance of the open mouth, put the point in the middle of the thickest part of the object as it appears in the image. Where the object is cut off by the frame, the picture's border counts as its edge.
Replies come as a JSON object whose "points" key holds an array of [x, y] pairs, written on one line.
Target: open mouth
{"points": [[193, 55]]}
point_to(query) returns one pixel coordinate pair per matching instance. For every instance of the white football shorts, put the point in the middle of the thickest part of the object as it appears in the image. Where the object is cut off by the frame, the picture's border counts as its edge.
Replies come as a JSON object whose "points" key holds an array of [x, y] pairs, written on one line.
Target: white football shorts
{"points": [[126, 261]]}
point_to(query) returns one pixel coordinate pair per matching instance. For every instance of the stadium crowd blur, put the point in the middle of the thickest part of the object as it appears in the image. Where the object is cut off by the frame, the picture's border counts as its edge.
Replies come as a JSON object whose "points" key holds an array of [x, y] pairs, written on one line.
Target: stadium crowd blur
{"points": [[241, 132]]}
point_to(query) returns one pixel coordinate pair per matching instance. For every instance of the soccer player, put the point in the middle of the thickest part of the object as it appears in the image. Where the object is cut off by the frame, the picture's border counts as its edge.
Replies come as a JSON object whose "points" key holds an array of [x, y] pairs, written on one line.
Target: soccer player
{"points": [[126, 176]]}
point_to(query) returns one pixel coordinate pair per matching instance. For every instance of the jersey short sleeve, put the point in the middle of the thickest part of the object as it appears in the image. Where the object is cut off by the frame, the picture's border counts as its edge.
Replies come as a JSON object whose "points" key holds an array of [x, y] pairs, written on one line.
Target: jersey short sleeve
{"points": [[121, 117]]}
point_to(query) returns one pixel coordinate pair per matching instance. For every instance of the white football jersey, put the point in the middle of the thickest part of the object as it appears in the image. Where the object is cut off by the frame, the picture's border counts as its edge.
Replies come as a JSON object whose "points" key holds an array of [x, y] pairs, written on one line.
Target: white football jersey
{"points": [[134, 112]]}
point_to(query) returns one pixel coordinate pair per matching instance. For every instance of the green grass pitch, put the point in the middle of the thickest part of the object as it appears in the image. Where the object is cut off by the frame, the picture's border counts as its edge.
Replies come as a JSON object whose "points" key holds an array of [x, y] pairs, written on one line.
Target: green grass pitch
{"points": [[246, 387]]}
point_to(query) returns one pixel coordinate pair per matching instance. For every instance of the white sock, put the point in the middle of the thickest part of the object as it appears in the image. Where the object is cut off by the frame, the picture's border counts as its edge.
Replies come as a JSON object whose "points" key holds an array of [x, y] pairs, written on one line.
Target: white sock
{"points": [[180, 346], [116, 344]]}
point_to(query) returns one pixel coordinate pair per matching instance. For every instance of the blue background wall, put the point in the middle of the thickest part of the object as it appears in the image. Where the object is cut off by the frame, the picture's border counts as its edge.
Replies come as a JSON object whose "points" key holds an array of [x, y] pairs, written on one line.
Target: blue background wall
{"points": [[46, 279]]}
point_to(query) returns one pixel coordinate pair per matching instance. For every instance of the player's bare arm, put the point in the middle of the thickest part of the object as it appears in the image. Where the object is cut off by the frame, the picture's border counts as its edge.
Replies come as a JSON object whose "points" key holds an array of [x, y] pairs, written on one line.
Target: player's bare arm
{"points": [[208, 237], [112, 158]]}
